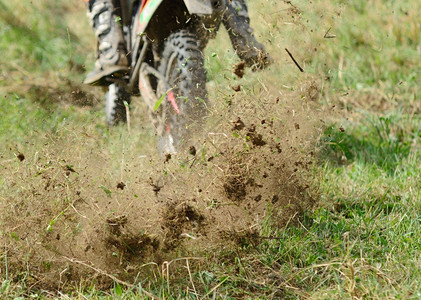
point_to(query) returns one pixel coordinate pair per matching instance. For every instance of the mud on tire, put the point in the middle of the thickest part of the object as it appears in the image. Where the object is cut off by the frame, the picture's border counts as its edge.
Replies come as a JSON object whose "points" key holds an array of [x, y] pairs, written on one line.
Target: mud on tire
{"points": [[182, 66]]}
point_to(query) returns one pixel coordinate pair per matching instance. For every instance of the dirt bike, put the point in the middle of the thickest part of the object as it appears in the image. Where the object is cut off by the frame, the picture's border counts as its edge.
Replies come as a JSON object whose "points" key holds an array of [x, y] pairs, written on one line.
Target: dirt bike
{"points": [[165, 41]]}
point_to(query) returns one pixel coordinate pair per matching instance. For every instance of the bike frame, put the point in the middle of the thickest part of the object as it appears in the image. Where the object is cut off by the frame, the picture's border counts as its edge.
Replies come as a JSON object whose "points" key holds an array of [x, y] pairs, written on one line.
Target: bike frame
{"points": [[144, 32]]}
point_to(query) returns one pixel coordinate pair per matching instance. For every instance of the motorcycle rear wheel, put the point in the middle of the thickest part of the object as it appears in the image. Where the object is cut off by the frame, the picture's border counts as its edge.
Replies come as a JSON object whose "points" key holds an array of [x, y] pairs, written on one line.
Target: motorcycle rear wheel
{"points": [[182, 65], [115, 108]]}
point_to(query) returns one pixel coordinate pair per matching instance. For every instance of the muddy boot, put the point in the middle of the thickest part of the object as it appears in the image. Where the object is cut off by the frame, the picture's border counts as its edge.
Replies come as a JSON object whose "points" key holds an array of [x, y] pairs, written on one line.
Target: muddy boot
{"points": [[111, 55], [236, 20]]}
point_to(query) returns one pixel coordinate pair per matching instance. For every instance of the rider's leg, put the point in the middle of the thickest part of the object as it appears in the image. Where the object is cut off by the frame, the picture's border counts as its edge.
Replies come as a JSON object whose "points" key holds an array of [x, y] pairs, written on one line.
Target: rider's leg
{"points": [[111, 54], [236, 20]]}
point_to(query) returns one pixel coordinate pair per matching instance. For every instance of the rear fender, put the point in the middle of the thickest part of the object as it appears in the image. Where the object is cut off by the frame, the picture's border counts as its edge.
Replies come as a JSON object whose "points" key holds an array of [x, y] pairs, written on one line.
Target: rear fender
{"points": [[148, 9], [194, 7]]}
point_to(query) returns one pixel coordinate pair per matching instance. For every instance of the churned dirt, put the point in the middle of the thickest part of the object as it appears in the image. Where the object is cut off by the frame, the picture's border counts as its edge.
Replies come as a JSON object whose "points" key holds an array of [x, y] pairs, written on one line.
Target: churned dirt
{"points": [[75, 214]]}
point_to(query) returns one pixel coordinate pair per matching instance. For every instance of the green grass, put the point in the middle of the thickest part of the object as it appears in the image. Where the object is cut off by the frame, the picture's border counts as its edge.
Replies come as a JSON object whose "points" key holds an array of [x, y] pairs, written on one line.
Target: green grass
{"points": [[363, 239], [382, 141]]}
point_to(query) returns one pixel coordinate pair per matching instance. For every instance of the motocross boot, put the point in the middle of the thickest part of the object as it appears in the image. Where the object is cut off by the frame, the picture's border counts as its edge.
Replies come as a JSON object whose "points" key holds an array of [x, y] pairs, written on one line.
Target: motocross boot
{"points": [[237, 22], [111, 53]]}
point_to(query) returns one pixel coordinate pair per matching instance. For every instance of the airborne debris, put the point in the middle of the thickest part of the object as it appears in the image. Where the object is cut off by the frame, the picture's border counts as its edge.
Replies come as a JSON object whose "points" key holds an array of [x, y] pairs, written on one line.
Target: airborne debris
{"points": [[121, 185], [236, 88], [192, 150], [328, 35], [20, 156], [293, 59], [239, 69], [275, 199], [167, 157], [238, 124], [155, 187], [70, 168], [254, 137]]}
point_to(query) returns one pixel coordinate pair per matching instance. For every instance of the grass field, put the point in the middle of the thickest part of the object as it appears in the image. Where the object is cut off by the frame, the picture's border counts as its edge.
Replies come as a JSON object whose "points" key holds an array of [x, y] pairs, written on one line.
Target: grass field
{"points": [[362, 237]]}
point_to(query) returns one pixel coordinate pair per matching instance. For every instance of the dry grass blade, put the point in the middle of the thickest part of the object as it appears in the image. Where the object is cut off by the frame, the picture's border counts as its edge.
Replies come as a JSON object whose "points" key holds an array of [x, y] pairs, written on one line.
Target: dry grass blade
{"points": [[75, 261]]}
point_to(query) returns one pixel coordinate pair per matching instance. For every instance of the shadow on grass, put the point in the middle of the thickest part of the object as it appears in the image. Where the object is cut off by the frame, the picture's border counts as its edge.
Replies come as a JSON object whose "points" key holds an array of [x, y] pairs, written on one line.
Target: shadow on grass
{"points": [[379, 141]]}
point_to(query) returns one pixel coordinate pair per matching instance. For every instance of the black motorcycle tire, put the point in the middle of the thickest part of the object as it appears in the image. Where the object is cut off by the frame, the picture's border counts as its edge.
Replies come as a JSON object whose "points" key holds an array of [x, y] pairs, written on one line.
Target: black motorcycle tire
{"points": [[182, 65], [115, 107]]}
